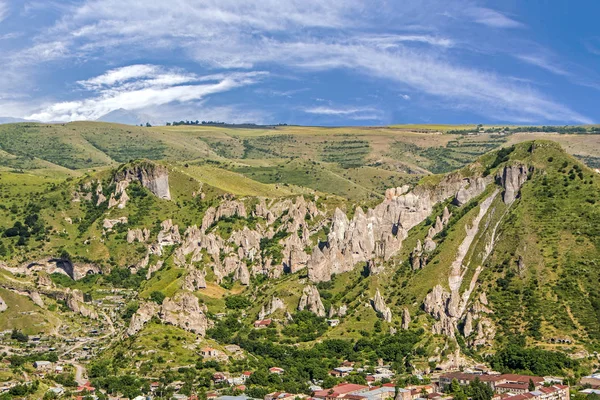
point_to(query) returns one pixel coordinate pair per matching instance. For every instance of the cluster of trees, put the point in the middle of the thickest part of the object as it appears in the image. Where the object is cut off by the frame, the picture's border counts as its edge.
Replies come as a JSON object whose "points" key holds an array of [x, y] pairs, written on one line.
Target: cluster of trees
{"points": [[476, 390], [516, 358]]}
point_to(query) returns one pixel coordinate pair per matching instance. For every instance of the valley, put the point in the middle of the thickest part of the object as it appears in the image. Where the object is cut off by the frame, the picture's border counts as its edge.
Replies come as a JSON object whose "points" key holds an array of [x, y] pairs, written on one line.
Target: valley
{"points": [[216, 261]]}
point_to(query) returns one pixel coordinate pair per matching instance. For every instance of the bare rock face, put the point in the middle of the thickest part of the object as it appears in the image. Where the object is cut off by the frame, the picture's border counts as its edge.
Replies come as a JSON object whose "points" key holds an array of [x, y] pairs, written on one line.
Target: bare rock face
{"points": [[141, 317], [468, 326], [3, 305], [153, 268], [44, 281], [379, 232], [339, 312], [311, 301], [381, 308], [513, 177], [76, 304], [418, 259], [184, 311], [275, 304], [405, 319], [436, 304], [194, 280], [169, 234], [294, 256], [108, 224], [228, 208], [36, 298], [474, 188], [119, 198], [138, 235], [242, 274], [152, 176]]}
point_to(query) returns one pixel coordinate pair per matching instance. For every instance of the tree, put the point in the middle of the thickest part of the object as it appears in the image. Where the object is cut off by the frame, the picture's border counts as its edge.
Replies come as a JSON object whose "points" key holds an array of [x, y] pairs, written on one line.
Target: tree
{"points": [[531, 386], [478, 390], [157, 297], [19, 336]]}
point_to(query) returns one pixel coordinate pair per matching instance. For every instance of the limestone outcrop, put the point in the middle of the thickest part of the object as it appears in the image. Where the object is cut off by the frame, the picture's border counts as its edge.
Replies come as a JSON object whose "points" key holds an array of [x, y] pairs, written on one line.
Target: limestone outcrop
{"points": [[119, 198], [512, 178], [274, 304], [3, 305], [311, 301], [152, 176], [381, 308], [108, 224], [194, 280], [138, 235], [76, 303], [169, 234], [227, 208], [379, 232], [184, 311], [144, 313], [405, 319]]}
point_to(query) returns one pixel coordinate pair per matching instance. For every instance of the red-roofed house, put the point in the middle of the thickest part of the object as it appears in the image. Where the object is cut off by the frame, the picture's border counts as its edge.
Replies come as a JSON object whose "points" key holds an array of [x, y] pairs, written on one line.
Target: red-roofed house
{"points": [[276, 370], [263, 323], [341, 390]]}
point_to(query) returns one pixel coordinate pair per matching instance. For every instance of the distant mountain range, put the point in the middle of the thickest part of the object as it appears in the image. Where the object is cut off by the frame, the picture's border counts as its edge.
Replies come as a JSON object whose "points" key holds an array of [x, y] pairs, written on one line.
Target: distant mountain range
{"points": [[12, 120], [128, 117]]}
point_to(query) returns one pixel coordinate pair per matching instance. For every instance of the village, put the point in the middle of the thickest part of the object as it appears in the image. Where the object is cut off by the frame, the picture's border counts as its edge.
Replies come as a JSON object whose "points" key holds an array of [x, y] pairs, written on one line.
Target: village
{"points": [[380, 382]]}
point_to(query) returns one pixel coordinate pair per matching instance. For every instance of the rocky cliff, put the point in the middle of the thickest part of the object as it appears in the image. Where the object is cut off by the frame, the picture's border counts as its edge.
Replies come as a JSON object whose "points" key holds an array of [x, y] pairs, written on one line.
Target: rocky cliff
{"points": [[152, 176]]}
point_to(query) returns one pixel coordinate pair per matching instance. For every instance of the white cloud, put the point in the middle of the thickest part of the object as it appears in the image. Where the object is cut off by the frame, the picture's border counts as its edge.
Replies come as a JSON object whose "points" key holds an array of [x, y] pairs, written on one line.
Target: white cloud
{"points": [[355, 113], [543, 63], [139, 87], [405, 96], [493, 18], [298, 35], [4, 10]]}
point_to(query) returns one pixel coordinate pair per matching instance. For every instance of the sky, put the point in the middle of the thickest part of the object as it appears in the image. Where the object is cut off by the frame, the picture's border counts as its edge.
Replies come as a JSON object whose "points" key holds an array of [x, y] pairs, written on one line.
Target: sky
{"points": [[308, 62]]}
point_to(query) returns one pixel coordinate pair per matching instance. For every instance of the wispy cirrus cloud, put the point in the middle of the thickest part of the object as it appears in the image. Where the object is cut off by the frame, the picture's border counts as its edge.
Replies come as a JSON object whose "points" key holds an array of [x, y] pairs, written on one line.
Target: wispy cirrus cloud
{"points": [[416, 46], [138, 87], [4, 10], [492, 18]]}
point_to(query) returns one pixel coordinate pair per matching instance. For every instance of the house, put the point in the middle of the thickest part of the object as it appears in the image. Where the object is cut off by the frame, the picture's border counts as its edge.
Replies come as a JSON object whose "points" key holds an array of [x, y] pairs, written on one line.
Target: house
{"points": [[42, 365], [340, 391], [556, 392], [505, 383], [154, 386], [211, 395], [263, 323], [219, 377], [284, 396], [344, 371], [593, 380], [246, 375], [59, 369], [59, 391], [333, 322], [209, 352], [276, 370], [382, 393], [87, 387]]}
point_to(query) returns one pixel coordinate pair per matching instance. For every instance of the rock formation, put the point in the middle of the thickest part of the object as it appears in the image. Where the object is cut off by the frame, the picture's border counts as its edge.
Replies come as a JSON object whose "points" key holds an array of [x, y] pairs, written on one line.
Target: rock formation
{"points": [[512, 178], [311, 301], [380, 231], [3, 305], [275, 304], [76, 304], [108, 224], [169, 234], [381, 308], [119, 198], [184, 311], [194, 280], [139, 235], [144, 313], [152, 176], [405, 319]]}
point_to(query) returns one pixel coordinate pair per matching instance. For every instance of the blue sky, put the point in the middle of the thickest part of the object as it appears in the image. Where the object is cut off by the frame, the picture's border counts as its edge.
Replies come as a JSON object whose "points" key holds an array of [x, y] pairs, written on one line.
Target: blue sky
{"points": [[311, 62]]}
